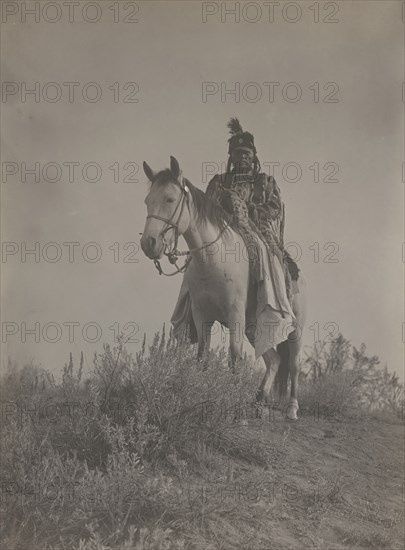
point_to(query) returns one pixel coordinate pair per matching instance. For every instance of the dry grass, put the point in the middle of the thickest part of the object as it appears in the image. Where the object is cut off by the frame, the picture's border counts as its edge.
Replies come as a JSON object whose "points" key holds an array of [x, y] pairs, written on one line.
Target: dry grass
{"points": [[150, 453]]}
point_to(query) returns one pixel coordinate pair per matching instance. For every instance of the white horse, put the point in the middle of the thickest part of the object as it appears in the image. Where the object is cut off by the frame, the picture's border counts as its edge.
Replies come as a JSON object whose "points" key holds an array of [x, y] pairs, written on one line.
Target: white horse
{"points": [[221, 289]]}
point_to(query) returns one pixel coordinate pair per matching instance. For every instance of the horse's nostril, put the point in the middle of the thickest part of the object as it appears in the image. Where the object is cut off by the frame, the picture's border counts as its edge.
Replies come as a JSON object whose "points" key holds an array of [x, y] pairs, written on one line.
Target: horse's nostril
{"points": [[152, 242]]}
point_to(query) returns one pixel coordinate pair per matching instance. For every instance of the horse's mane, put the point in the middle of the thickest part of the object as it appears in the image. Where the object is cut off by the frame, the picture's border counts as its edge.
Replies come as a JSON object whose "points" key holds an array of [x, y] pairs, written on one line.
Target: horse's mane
{"points": [[205, 207]]}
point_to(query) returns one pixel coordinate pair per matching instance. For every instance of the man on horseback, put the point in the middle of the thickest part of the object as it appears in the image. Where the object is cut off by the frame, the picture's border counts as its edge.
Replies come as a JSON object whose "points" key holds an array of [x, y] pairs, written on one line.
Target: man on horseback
{"points": [[243, 180], [250, 298]]}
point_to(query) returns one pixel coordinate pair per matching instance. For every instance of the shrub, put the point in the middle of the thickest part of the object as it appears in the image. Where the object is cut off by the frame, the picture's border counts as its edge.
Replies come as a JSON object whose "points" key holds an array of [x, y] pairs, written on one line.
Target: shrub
{"points": [[80, 456], [340, 374], [100, 463]]}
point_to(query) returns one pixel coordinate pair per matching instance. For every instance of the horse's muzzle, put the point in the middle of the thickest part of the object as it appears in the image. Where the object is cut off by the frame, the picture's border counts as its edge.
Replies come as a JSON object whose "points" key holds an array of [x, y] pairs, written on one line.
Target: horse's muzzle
{"points": [[152, 248]]}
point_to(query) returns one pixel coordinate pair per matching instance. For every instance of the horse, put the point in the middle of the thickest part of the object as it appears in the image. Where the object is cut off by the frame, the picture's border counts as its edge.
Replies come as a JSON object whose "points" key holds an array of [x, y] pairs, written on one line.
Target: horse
{"points": [[220, 289]]}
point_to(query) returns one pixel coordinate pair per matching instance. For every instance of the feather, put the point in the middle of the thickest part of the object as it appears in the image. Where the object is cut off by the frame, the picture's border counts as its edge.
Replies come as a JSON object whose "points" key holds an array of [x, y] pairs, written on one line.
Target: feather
{"points": [[234, 126]]}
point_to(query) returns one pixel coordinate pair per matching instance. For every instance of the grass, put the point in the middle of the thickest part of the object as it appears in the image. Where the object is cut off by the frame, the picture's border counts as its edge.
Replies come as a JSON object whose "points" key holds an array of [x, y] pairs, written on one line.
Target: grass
{"points": [[128, 457]]}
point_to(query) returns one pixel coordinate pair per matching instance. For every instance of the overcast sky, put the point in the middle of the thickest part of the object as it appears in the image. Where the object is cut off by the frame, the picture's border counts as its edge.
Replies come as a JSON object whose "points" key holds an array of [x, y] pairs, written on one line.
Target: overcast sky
{"points": [[169, 53]]}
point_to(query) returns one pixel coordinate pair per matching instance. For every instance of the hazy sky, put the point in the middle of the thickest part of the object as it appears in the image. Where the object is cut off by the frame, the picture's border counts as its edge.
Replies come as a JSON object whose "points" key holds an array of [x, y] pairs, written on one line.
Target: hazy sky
{"points": [[169, 53]]}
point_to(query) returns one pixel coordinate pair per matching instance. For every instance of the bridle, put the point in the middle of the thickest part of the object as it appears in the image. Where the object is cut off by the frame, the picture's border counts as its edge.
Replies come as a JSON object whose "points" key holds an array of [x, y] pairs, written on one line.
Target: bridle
{"points": [[174, 253]]}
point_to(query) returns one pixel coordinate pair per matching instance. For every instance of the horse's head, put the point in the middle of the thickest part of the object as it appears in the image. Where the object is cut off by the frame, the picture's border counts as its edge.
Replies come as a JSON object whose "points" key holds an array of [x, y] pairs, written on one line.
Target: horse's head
{"points": [[168, 209]]}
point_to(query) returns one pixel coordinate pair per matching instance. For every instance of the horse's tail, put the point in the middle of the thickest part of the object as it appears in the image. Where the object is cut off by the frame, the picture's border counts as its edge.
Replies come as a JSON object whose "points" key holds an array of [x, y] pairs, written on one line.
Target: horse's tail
{"points": [[283, 372]]}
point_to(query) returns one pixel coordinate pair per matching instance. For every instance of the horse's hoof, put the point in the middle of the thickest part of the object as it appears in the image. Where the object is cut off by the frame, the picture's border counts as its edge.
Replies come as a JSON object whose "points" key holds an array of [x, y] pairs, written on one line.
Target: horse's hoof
{"points": [[292, 410]]}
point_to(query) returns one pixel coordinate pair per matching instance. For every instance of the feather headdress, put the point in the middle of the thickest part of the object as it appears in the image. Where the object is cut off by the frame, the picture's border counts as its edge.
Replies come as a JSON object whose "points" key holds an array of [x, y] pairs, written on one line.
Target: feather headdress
{"points": [[239, 139], [235, 126]]}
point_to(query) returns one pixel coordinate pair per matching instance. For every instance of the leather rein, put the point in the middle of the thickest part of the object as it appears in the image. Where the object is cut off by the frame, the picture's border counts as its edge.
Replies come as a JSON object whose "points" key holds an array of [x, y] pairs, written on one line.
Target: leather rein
{"points": [[174, 253]]}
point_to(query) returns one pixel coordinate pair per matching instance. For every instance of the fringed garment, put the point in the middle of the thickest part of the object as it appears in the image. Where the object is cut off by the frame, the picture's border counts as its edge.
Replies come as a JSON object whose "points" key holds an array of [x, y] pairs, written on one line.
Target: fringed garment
{"points": [[257, 209]]}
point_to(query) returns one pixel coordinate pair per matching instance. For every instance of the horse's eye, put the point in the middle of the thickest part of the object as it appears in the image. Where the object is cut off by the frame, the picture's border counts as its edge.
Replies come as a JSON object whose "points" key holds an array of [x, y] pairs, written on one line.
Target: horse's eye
{"points": [[169, 200]]}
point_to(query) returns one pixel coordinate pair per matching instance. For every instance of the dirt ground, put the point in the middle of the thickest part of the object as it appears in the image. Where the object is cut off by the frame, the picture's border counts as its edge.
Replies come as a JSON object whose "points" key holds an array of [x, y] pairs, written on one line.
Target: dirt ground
{"points": [[331, 483]]}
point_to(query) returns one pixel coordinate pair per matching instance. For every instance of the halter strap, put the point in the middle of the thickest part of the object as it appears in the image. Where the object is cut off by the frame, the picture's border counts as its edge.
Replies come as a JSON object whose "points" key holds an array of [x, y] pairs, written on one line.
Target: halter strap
{"points": [[173, 254], [184, 194]]}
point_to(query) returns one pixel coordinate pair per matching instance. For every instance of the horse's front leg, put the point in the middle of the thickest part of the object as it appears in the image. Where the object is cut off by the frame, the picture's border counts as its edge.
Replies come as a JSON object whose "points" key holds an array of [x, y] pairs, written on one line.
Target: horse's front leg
{"points": [[204, 334], [236, 327], [272, 361], [204, 342]]}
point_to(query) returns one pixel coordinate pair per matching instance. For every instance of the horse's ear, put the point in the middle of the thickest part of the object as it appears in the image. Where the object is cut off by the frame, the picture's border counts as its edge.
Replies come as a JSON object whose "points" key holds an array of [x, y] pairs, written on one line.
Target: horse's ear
{"points": [[174, 168], [150, 174]]}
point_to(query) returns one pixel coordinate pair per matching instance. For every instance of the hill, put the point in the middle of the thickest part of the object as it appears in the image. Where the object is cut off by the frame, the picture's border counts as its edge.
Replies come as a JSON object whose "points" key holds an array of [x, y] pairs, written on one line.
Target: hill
{"points": [[162, 452]]}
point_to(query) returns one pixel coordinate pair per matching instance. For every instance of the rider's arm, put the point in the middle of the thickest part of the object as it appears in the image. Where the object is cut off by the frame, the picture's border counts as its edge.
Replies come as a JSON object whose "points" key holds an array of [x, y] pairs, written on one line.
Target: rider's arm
{"points": [[269, 196], [272, 205], [273, 194]]}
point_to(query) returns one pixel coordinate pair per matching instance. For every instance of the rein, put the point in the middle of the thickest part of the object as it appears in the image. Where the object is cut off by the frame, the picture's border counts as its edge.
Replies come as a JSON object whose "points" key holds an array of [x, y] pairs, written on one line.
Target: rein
{"points": [[174, 253]]}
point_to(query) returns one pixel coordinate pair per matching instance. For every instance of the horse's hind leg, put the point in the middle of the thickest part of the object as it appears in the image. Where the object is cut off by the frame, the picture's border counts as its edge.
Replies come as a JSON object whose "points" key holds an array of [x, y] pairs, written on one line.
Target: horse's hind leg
{"points": [[289, 353], [294, 349]]}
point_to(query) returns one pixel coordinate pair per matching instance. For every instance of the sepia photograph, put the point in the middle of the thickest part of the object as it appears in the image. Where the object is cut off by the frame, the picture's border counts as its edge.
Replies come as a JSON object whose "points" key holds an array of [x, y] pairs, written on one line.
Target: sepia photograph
{"points": [[202, 275]]}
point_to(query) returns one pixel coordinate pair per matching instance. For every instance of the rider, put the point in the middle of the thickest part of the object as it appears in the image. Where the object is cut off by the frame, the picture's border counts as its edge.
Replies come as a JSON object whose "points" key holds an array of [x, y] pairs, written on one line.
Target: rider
{"points": [[260, 193]]}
